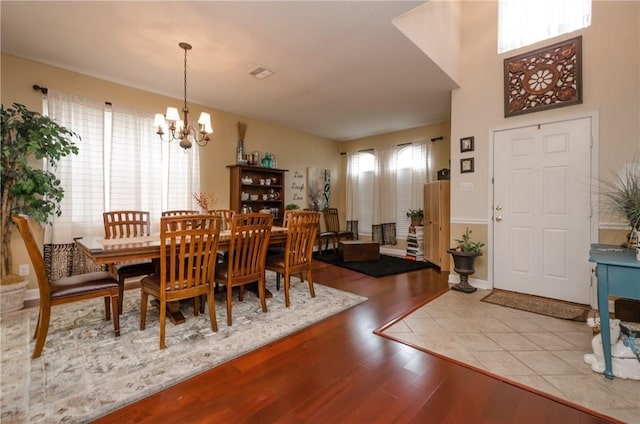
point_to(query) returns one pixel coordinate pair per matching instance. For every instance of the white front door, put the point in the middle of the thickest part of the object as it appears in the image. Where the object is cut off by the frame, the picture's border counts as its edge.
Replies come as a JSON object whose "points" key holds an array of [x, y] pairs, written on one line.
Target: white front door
{"points": [[542, 210]]}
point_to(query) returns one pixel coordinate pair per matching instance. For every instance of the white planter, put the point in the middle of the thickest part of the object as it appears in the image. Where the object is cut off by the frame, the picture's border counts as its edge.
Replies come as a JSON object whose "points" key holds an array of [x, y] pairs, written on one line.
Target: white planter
{"points": [[12, 296]]}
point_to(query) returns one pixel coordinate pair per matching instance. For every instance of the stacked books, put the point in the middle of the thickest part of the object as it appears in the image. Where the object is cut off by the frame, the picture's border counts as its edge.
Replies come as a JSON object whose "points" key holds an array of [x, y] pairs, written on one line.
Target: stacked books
{"points": [[415, 243]]}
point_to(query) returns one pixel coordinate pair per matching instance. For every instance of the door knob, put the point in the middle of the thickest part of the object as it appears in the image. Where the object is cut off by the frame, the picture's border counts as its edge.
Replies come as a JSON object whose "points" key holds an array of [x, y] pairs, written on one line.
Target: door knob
{"points": [[499, 208], [498, 218]]}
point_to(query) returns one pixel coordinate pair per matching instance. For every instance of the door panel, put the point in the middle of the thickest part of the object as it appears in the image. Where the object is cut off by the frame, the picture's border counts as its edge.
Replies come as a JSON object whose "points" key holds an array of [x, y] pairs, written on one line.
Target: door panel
{"points": [[542, 228]]}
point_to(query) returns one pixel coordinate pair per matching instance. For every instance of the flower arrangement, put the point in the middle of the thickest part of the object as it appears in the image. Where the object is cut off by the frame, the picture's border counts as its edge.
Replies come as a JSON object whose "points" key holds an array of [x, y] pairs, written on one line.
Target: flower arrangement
{"points": [[622, 193], [205, 200]]}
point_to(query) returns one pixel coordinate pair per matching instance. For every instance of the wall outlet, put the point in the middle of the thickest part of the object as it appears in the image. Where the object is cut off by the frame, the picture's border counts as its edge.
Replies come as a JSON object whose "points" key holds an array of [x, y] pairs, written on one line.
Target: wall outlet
{"points": [[24, 269]]}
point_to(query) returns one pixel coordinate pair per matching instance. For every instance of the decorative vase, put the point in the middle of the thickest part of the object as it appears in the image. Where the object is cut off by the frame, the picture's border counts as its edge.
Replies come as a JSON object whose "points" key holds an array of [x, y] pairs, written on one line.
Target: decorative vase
{"points": [[12, 296], [240, 151], [464, 265]]}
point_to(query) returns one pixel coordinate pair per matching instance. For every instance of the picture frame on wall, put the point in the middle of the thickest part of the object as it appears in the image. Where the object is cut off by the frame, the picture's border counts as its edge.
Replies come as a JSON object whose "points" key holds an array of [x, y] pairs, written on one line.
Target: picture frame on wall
{"points": [[466, 144], [544, 78], [466, 165]]}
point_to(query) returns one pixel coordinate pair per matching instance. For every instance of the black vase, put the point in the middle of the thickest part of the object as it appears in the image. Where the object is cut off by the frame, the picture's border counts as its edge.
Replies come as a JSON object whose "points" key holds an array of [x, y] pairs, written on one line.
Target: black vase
{"points": [[464, 264]]}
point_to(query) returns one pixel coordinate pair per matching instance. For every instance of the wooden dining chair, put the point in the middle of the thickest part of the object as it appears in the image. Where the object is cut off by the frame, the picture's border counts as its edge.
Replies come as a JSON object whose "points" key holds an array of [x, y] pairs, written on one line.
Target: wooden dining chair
{"points": [[245, 262], [179, 212], [226, 215], [296, 260], [188, 245], [65, 290], [324, 237], [128, 224], [332, 222]]}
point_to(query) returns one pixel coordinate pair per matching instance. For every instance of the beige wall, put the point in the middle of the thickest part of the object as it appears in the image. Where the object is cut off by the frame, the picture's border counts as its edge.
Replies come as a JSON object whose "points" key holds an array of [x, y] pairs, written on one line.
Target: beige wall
{"points": [[294, 150], [611, 87]]}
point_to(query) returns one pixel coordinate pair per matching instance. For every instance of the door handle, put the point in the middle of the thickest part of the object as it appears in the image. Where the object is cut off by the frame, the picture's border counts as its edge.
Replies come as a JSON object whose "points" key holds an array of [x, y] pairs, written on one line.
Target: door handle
{"points": [[498, 218], [499, 208]]}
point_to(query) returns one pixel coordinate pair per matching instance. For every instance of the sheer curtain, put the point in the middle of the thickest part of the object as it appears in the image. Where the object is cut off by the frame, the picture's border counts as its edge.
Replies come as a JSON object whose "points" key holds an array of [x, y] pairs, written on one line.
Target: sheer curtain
{"points": [[352, 191], [121, 165], [81, 176], [384, 196]]}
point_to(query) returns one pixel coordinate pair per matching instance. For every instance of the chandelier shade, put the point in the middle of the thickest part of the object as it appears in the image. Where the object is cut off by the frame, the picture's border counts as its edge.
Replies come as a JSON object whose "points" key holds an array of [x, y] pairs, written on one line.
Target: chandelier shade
{"points": [[179, 129]]}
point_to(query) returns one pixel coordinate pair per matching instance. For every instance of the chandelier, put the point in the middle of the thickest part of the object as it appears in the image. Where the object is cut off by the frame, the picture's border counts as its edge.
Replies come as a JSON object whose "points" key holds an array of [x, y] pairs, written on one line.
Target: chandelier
{"points": [[179, 129]]}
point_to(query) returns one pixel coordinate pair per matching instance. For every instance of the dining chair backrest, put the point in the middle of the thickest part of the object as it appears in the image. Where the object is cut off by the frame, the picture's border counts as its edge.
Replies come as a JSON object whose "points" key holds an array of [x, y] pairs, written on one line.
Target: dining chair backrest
{"points": [[248, 244], [331, 219], [188, 246], [179, 213], [121, 224], [226, 215], [37, 260], [301, 235]]}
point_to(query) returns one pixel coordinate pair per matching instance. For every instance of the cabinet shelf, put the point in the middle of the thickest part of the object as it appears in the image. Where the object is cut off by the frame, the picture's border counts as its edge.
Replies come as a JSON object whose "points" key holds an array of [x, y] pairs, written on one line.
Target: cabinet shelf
{"points": [[238, 173]]}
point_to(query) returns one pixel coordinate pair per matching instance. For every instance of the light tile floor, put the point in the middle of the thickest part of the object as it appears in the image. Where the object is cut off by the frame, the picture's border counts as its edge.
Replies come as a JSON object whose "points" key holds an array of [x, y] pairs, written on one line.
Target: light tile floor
{"points": [[533, 350]]}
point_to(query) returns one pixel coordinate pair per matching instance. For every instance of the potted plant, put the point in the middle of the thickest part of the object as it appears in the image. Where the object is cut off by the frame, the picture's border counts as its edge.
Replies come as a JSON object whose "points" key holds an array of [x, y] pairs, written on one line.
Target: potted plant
{"points": [[27, 189], [464, 257], [291, 207], [416, 216], [622, 197]]}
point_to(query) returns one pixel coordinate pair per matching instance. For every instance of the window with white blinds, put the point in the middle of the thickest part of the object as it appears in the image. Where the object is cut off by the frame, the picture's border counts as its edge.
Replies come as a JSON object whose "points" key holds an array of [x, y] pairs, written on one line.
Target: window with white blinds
{"points": [[121, 165], [525, 22]]}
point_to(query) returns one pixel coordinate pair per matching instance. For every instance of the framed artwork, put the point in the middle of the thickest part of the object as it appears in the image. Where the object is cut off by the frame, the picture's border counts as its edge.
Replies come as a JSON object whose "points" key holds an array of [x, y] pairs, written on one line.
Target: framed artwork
{"points": [[466, 165], [466, 144], [545, 78]]}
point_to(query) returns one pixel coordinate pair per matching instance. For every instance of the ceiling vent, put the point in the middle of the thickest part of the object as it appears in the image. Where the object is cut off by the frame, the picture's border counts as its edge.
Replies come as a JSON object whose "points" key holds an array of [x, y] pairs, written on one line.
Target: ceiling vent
{"points": [[260, 72]]}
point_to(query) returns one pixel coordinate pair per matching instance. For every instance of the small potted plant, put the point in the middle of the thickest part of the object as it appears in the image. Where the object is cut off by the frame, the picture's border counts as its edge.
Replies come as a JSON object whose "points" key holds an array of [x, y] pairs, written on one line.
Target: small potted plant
{"points": [[291, 207], [416, 216], [464, 257], [25, 188]]}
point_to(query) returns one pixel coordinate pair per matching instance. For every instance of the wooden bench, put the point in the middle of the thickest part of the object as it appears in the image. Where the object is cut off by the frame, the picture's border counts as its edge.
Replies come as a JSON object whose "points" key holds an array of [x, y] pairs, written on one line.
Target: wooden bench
{"points": [[358, 250]]}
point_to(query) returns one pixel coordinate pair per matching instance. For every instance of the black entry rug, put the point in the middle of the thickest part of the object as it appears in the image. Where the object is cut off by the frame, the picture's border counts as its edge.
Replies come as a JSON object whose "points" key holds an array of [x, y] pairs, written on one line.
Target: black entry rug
{"points": [[386, 265], [539, 305]]}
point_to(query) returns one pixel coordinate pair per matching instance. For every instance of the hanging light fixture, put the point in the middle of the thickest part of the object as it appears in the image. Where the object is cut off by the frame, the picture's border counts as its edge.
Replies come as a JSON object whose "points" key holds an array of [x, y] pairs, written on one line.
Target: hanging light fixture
{"points": [[179, 129]]}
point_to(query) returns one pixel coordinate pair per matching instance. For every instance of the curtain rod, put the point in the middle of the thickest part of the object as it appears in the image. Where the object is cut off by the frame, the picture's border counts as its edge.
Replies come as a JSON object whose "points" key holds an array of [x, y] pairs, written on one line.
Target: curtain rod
{"points": [[437, 138], [43, 90]]}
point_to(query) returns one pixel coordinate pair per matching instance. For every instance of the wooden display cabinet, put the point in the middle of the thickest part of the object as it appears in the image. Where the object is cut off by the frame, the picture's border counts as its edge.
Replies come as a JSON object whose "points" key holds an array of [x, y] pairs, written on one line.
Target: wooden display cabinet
{"points": [[257, 188]]}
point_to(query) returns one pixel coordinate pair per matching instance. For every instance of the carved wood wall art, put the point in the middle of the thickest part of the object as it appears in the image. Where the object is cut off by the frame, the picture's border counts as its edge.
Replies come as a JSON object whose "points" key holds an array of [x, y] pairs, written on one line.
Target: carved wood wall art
{"points": [[543, 79]]}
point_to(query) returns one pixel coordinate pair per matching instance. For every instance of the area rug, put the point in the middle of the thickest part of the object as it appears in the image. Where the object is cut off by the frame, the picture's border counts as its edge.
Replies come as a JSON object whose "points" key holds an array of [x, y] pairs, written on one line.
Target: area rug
{"points": [[539, 305], [386, 265], [85, 372]]}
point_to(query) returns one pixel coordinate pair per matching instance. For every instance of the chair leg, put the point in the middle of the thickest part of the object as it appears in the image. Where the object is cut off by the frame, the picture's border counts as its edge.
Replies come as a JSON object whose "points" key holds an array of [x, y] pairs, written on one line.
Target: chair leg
{"points": [[310, 281], [163, 319], [116, 315], [197, 304], [241, 294], [35, 333], [107, 308], [229, 302], [121, 293], [287, 285], [262, 294], [43, 328], [144, 298], [203, 298], [277, 281], [212, 311]]}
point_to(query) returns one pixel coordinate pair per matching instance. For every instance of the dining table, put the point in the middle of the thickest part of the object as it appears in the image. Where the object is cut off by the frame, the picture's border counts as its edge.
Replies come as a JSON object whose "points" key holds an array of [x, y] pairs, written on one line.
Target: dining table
{"points": [[104, 251]]}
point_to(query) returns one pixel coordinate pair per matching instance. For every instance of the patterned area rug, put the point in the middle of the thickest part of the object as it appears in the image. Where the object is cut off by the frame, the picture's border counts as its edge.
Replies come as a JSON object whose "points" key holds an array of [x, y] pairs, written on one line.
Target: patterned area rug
{"points": [[539, 305], [85, 372]]}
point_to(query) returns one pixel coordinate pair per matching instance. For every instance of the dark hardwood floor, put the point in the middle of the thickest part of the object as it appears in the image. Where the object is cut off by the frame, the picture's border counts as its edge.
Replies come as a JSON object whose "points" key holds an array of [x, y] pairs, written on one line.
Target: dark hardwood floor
{"points": [[339, 371]]}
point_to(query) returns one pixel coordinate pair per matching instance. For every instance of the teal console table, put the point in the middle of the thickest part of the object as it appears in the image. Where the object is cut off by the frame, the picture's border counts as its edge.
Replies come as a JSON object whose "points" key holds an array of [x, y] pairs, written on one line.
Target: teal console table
{"points": [[618, 274]]}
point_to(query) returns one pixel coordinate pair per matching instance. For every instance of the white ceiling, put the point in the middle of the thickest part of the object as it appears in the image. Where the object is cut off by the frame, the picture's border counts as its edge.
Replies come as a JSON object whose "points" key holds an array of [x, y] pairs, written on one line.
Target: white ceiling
{"points": [[342, 70]]}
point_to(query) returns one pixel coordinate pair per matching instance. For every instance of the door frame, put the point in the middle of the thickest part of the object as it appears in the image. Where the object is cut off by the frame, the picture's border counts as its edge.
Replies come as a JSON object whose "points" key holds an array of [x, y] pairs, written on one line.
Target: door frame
{"points": [[595, 219]]}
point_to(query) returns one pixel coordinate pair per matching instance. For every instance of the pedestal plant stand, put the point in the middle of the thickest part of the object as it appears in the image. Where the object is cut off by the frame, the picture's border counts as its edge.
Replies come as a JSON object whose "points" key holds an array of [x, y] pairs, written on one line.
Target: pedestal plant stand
{"points": [[464, 265]]}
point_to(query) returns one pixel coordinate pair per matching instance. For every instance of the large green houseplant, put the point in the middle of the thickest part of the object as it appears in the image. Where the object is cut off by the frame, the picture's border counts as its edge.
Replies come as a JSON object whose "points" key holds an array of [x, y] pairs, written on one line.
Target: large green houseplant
{"points": [[28, 137]]}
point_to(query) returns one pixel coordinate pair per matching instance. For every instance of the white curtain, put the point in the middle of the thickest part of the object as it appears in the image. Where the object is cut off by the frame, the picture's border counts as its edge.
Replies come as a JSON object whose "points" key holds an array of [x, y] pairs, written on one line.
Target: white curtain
{"points": [[422, 173], [352, 187], [82, 175], [384, 186]]}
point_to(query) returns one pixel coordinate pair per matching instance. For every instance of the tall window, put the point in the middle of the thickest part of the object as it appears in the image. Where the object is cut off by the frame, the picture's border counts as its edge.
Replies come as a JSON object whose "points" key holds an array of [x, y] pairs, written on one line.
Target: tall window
{"points": [[121, 165], [525, 22], [383, 184]]}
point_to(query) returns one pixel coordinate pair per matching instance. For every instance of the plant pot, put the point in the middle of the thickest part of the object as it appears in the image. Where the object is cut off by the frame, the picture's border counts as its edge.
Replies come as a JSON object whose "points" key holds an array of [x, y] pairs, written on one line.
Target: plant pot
{"points": [[12, 295], [464, 264], [416, 222]]}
